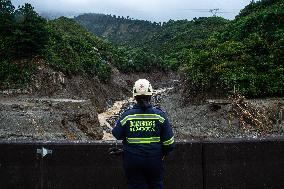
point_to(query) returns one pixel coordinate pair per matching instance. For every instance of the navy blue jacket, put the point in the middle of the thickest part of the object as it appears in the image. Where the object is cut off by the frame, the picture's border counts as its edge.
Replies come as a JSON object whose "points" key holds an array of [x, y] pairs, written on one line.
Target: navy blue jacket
{"points": [[144, 132]]}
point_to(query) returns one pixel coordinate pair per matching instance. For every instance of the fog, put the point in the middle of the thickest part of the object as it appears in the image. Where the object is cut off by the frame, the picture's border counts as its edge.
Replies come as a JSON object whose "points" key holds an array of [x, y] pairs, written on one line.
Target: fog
{"points": [[153, 10]]}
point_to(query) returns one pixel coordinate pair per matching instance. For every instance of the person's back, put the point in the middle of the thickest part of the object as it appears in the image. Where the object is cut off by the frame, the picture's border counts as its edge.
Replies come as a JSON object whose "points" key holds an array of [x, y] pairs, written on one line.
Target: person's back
{"points": [[147, 138]]}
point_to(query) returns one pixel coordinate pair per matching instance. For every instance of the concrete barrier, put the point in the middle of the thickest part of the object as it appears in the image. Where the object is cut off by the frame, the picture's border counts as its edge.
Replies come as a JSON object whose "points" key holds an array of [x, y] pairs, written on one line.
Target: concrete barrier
{"points": [[183, 168], [244, 164], [193, 164]]}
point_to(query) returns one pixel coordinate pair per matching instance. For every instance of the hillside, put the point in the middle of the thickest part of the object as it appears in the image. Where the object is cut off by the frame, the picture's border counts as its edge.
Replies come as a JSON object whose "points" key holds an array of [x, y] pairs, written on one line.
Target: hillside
{"points": [[118, 30], [65, 75], [27, 41], [245, 57], [23, 39], [216, 56], [176, 37], [73, 50], [161, 48]]}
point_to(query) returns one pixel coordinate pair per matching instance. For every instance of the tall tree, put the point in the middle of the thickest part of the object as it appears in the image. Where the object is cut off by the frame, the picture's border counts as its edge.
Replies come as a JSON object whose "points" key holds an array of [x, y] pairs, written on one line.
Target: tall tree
{"points": [[30, 34], [6, 25]]}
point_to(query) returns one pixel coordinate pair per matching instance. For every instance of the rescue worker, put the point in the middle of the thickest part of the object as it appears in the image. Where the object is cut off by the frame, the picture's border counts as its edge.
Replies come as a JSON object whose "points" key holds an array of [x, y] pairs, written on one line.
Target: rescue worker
{"points": [[147, 139]]}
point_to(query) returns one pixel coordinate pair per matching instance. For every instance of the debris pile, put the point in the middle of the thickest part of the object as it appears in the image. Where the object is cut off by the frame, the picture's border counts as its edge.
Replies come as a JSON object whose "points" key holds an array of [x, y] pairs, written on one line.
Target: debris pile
{"points": [[250, 117]]}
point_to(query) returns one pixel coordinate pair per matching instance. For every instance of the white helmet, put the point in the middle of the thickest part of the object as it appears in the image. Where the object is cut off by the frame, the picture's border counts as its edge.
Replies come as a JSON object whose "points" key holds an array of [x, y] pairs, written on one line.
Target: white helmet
{"points": [[142, 87]]}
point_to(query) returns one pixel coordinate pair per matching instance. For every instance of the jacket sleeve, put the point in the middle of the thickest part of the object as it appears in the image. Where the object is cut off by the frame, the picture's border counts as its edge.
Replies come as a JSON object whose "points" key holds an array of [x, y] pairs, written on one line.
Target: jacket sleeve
{"points": [[119, 131], [167, 138]]}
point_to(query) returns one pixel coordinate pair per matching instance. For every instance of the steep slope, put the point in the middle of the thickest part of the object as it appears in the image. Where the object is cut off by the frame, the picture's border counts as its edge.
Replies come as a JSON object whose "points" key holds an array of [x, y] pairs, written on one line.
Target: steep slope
{"points": [[74, 50]]}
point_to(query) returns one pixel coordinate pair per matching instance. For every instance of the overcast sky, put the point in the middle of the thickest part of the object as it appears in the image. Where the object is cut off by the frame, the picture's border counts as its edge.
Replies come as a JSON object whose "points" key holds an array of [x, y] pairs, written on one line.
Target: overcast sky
{"points": [[153, 10]]}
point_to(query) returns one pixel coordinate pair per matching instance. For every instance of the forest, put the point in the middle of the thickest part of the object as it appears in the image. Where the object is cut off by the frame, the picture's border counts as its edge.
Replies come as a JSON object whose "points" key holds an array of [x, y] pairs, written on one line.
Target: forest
{"points": [[214, 56], [28, 40]]}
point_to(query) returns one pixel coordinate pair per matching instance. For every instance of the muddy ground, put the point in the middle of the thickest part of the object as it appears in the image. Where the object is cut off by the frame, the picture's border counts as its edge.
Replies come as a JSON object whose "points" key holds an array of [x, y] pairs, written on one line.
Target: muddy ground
{"points": [[59, 107], [48, 119], [205, 121], [199, 121]]}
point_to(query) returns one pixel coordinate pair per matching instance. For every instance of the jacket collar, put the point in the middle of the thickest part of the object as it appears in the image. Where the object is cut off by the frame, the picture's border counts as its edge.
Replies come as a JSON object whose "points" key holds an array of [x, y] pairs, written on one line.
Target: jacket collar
{"points": [[137, 106]]}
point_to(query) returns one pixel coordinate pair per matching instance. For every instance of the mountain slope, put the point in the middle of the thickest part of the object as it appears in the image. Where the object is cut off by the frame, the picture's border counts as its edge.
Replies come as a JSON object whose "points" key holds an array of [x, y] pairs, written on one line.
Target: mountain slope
{"points": [[118, 30], [177, 37], [73, 50]]}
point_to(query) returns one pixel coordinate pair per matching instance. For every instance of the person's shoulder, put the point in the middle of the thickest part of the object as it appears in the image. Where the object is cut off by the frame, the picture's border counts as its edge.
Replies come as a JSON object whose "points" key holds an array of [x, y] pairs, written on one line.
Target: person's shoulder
{"points": [[159, 110], [128, 111]]}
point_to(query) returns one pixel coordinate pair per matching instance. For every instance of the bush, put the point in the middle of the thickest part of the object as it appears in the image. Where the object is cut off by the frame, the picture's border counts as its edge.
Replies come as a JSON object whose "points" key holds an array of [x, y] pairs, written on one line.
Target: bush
{"points": [[23, 36], [17, 74]]}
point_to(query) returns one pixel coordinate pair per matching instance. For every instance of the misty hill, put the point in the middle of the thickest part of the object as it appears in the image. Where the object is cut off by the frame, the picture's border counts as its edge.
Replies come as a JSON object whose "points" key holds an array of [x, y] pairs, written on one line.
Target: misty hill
{"points": [[118, 29], [215, 56], [218, 57], [52, 15]]}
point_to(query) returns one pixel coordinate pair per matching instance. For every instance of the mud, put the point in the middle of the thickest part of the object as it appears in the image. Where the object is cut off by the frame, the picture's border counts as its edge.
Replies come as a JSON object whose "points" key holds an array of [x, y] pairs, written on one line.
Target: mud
{"points": [[59, 107], [55, 106], [192, 121], [206, 121], [48, 119], [111, 113]]}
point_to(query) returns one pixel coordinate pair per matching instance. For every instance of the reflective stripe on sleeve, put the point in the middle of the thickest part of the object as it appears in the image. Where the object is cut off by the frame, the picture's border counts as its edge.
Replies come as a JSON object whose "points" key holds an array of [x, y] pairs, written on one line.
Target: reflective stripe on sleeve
{"points": [[169, 142], [142, 117], [143, 140]]}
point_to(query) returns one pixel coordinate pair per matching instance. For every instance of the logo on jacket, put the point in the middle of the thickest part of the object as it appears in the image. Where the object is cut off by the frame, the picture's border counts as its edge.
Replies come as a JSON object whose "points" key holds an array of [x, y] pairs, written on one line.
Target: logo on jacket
{"points": [[136, 126]]}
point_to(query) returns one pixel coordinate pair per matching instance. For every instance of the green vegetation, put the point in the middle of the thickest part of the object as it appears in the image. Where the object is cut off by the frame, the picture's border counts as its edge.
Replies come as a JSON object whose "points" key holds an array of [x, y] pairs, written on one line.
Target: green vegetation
{"points": [[73, 50], [163, 49], [214, 55], [247, 55], [175, 39], [137, 60], [23, 36], [118, 29], [27, 39], [23, 31]]}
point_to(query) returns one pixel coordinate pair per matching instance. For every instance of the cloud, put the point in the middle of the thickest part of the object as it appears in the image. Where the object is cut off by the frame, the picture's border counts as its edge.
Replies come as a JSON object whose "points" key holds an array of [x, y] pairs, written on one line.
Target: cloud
{"points": [[155, 10]]}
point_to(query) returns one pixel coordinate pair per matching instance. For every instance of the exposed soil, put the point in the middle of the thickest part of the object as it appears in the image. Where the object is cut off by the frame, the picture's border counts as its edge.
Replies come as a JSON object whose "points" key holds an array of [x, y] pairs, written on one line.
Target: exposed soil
{"points": [[218, 118], [193, 121], [48, 119], [57, 107]]}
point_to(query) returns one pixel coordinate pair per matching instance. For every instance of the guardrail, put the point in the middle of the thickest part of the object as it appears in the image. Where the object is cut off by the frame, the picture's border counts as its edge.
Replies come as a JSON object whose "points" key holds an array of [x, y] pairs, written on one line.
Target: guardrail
{"points": [[235, 163]]}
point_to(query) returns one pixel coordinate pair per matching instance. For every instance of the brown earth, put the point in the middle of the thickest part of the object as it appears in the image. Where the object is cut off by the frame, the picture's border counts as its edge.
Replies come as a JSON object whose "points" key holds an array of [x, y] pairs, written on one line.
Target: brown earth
{"points": [[219, 118], [48, 119], [214, 118], [57, 107]]}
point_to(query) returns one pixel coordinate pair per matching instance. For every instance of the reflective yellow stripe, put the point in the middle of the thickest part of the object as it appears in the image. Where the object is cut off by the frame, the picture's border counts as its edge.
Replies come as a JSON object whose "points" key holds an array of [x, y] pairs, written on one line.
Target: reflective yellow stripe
{"points": [[169, 142], [143, 140], [142, 117]]}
